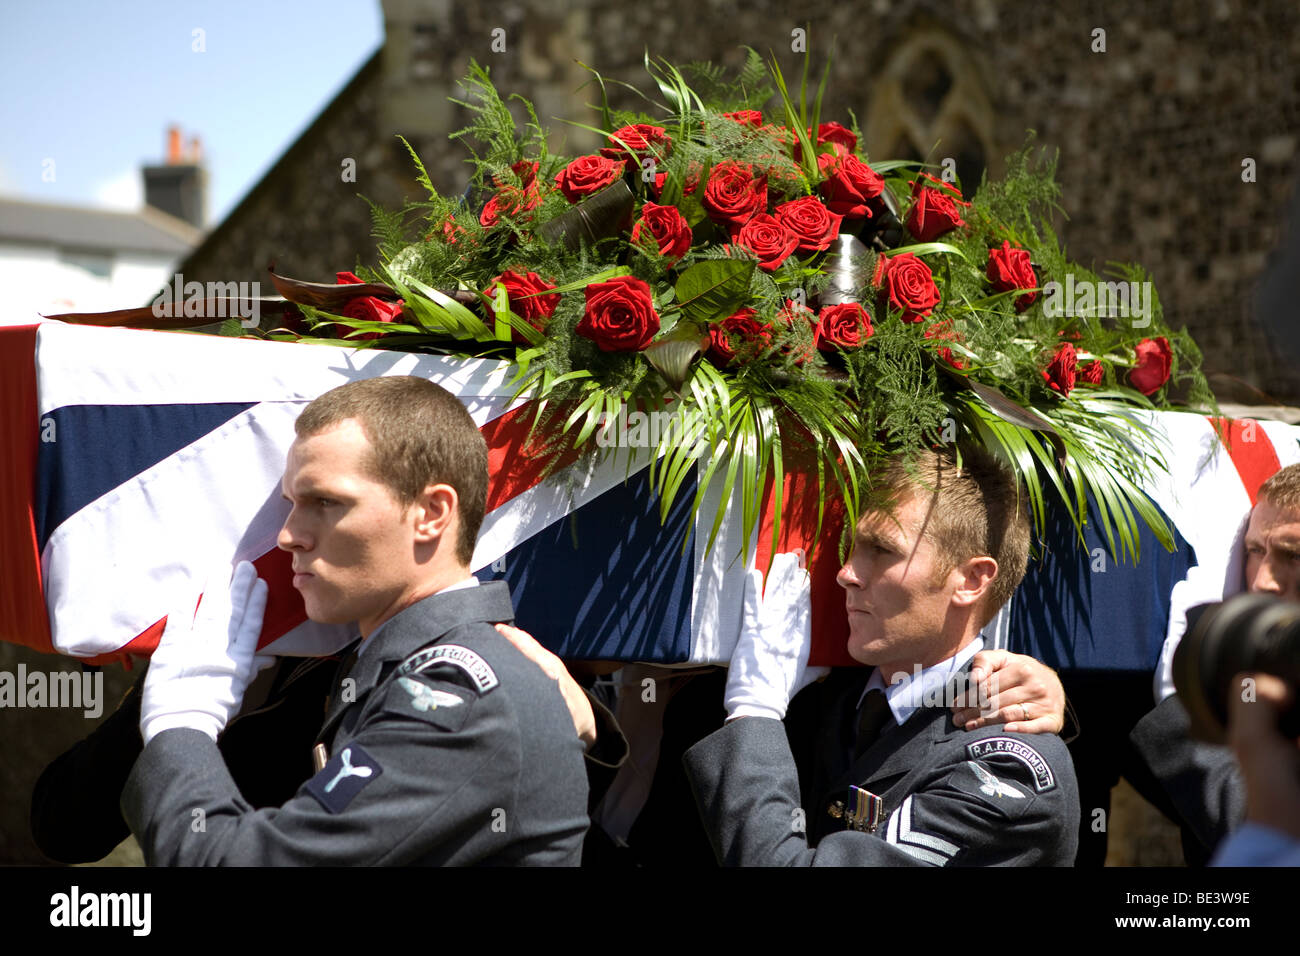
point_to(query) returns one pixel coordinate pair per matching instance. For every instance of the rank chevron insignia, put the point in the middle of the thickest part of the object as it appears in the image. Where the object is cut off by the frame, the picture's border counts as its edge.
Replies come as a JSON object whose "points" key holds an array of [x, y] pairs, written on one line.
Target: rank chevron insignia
{"points": [[991, 785], [426, 698], [925, 847]]}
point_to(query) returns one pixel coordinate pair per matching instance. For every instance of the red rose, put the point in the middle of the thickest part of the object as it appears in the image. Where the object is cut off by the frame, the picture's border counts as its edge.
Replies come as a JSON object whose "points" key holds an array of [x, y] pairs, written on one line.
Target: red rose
{"points": [[640, 141], [525, 171], [525, 300], [750, 118], [840, 136], [509, 201], [814, 225], [740, 333], [372, 309], [844, 326], [1154, 360], [671, 231], [620, 315], [909, 284], [934, 211], [1092, 373], [733, 195], [1060, 373], [768, 239], [367, 307], [850, 184], [1010, 269], [587, 175], [944, 332]]}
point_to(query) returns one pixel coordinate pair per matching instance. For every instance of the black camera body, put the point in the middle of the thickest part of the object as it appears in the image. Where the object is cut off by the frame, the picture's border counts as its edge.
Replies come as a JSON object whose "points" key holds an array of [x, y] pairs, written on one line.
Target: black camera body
{"points": [[1249, 632]]}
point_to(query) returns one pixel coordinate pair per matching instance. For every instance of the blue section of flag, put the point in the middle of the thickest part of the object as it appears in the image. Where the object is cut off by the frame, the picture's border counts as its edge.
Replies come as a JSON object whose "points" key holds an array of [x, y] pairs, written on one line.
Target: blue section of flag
{"points": [[1079, 609], [608, 581], [92, 449]]}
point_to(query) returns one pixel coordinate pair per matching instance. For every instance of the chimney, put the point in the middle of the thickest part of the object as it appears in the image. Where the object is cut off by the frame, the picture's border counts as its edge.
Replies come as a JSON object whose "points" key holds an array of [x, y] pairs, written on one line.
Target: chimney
{"points": [[179, 187]]}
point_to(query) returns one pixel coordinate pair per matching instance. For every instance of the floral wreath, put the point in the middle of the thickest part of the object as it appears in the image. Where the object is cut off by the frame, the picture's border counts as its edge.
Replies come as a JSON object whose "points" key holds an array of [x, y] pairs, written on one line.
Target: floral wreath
{"points": [[748, 268]]}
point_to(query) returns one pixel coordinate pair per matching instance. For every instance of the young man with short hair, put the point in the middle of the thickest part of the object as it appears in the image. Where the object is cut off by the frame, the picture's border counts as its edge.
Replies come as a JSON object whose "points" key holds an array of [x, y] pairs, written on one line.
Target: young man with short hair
{"points": [[1199, 785], [885, 777], [447, 745]]}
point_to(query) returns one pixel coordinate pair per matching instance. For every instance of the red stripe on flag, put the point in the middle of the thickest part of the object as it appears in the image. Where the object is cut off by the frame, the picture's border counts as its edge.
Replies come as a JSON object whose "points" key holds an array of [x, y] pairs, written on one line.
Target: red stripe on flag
{"points": [[285, 609], [22, 601], [830, 622], [143, 644], [1250, 449], [516, 464]]}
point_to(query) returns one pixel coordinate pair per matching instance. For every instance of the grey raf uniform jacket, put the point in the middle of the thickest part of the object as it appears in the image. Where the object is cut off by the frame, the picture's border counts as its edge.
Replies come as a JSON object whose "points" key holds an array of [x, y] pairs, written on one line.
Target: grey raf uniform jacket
{"points": [[950, 797], [1202, 782], [454, 749]]}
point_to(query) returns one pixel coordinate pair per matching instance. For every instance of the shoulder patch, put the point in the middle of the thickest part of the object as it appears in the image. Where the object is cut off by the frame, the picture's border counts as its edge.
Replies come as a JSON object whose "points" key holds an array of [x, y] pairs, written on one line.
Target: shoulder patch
{"points": [[1011, 798], [348, 772], [1016, 749], [424, 697], [445, 706], [479, 671]]}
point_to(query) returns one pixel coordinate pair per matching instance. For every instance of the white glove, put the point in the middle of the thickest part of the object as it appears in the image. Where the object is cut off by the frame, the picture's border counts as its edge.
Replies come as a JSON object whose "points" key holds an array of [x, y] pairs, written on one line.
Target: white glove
{"points": [[770, 663], [198, 674]]}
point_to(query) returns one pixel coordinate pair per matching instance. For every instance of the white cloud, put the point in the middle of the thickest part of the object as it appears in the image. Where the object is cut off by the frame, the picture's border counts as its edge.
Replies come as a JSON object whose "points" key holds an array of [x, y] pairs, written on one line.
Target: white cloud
{"points": [[124, 191]]}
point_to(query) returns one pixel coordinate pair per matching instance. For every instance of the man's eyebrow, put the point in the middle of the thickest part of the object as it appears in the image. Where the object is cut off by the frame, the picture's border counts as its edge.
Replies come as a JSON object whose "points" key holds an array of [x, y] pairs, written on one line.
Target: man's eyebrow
{"points": [[877, 537]]}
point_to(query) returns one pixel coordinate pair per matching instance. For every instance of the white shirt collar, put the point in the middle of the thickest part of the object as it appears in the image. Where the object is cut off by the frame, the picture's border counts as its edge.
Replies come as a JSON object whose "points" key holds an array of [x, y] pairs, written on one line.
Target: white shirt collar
{"points": [[469, 582], [910, 692]]}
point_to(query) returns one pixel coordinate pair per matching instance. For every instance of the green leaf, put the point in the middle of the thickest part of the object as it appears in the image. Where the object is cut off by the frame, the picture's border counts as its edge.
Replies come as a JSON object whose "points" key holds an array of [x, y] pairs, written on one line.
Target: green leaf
{"points": [[613, 272], [925, 248], [713, 290], [887, 165], [423, 177]]}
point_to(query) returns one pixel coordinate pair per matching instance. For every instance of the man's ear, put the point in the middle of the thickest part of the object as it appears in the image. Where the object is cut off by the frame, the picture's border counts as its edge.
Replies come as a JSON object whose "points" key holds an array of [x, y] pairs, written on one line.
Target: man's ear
{"points": [[436, 512], [975, 577]]}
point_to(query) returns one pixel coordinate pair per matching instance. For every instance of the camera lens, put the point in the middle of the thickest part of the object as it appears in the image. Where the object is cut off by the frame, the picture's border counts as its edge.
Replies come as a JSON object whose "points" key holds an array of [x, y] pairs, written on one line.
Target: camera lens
{"points": [[1249, 632]]}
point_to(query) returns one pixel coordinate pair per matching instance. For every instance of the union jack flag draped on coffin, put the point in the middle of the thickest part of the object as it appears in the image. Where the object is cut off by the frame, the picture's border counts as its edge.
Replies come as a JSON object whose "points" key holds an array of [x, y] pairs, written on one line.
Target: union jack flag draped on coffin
{"points": [[161, 455], [151, 457]]}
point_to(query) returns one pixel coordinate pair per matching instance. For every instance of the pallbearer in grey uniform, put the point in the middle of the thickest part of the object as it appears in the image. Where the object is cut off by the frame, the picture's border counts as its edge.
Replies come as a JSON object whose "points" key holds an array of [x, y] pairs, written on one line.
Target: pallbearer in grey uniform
{"points": [[882, 776], [443, 744]]}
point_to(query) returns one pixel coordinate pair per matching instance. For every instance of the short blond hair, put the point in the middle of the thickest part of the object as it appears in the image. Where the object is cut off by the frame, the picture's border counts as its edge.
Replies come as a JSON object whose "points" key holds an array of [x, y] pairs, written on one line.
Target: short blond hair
{"points": [[1282, 490], [976, 510]]}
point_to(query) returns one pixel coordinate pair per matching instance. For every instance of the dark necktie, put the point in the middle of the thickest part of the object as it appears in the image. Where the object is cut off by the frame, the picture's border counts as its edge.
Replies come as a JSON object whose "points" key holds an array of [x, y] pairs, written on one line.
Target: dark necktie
{"points": [[345, 665], [873, 716]]}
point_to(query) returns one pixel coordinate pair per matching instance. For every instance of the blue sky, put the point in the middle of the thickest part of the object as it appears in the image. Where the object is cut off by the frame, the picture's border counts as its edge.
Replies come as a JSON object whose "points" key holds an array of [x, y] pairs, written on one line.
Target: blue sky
{"points": [[92, 85]]}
